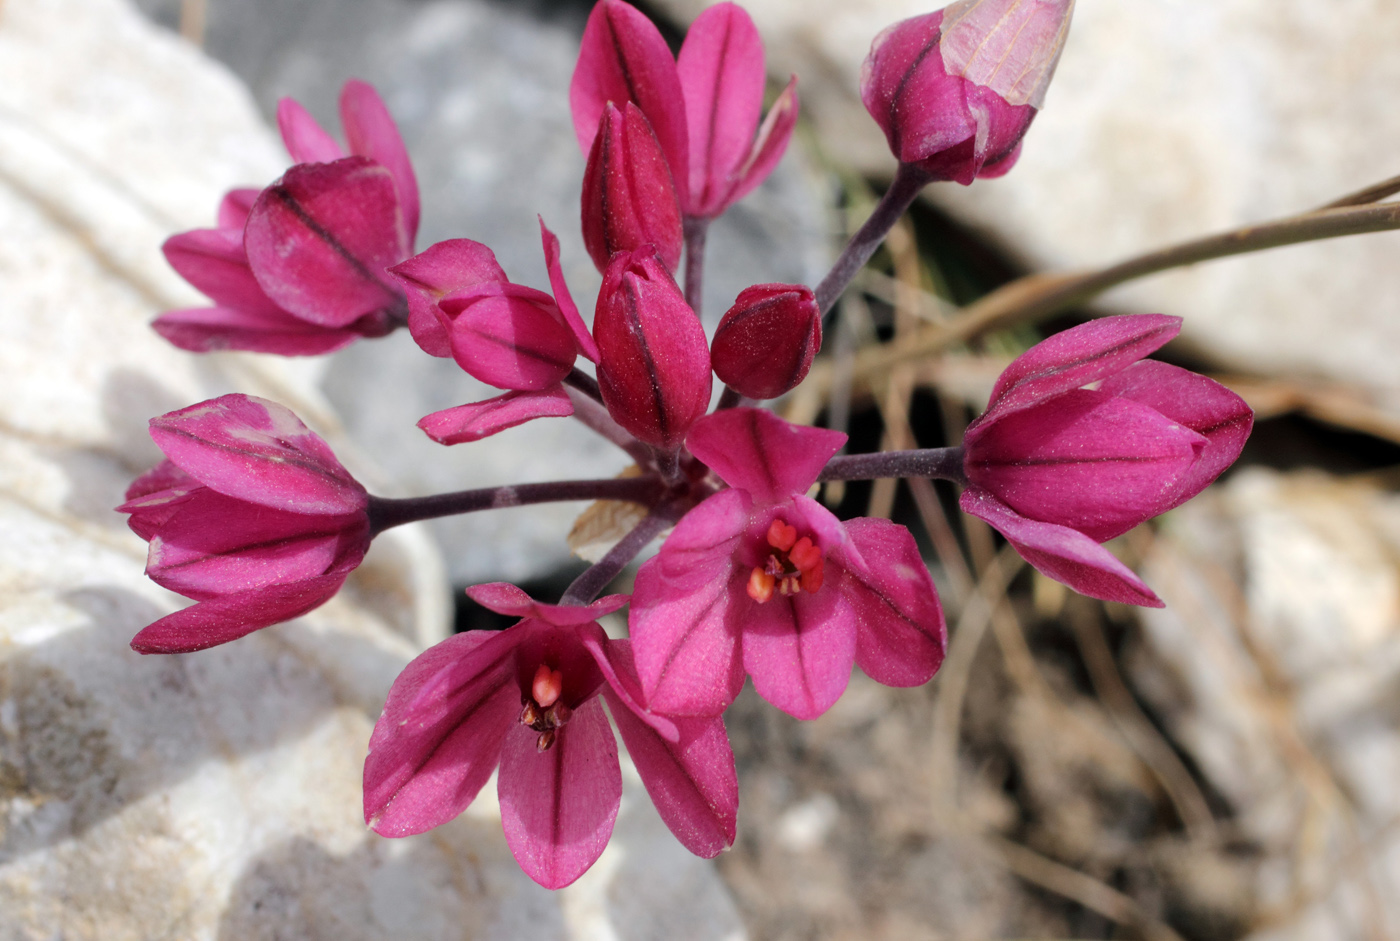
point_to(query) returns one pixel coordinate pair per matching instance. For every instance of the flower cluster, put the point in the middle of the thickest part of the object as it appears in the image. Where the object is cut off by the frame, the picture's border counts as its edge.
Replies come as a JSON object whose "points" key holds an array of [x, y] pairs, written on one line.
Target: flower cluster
{"points": [[253, 518]]}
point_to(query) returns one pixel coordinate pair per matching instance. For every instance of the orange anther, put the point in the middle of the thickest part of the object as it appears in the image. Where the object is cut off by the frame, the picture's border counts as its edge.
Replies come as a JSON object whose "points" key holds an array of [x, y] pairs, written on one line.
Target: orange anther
{"points": [[812, 577], [760, 586], [804, 555], [547, 686], [781, 536]]}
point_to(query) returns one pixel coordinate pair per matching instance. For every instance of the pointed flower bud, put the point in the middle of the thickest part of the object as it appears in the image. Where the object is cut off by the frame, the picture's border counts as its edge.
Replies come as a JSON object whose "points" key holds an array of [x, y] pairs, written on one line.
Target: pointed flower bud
{"points": [[629, 199], [955, 90], [765, 343], [654, 369]]}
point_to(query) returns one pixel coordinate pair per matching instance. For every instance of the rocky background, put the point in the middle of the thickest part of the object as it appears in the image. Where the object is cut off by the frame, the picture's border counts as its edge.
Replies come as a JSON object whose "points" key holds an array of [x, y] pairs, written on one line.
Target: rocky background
{"points": [[1222, 769]]}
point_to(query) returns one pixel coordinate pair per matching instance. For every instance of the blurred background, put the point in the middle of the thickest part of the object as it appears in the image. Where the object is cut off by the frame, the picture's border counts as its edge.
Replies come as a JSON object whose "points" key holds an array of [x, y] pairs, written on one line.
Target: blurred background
{"points": [[1223, 768]]}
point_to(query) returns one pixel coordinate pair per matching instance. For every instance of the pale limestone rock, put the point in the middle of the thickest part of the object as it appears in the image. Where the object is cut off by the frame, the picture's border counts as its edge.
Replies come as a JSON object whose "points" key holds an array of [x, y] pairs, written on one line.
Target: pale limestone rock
{"points": [[1290, 684], [1169, 120], [211, 795]]}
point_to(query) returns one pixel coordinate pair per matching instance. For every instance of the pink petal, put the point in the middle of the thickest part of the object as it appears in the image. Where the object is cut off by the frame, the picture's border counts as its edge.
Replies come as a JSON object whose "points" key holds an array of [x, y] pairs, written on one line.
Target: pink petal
{"points": [[562, 297], [769, 146], [234, 209], [1198, 403], [213, 261], [164, 476], [624, 59], [1076, 357], [901, 636], [629, 198], [508, 335], [229, 617], [209, 329], [306, 140], [764, 344], [505, 598], [558, 806], [799, 650], [692, 781], [756, 451], [615, 663], [215, 545], [1094, 462], [434, 273], [155, 496], [372, 133], [720, 67], [318, 242], [686, 650], [478, 420], [256, 450], [441, 732], [1061, 553]]}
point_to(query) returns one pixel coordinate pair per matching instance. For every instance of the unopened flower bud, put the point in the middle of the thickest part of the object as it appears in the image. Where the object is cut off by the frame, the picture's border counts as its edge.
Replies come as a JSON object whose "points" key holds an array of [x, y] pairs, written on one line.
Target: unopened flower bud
{"points": [[765, 343], [629, 199], [654, 368], [955, 90]]}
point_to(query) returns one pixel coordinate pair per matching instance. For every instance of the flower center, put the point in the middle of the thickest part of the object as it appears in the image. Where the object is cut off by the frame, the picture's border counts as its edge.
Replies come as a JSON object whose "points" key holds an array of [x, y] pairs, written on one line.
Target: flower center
{"points": [[544, 711], [793, 565]]}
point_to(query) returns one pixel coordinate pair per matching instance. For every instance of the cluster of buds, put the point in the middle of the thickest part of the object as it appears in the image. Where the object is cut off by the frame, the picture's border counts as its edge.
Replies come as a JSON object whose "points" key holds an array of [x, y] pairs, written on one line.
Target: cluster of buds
{"points": [[253, 518]]}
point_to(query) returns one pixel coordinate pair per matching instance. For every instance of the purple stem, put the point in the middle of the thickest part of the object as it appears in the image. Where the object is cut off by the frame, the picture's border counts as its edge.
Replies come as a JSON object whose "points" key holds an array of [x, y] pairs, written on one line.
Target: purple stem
{"points": [[729, 399], [386, 512], [908, 181], [597, 576], [695, 231], [593, 414], [940, 463], [583, 382]]}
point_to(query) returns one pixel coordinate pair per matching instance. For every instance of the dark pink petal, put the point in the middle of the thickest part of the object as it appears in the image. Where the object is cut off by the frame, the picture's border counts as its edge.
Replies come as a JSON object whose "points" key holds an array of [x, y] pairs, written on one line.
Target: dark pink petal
{"points": [[720, 67], [654, 364], [440, 735], [213, 261], [756, 451], [558, 806], [154, 497], [901, 636], [434, 273], [764, 344], [615, 663], [318, 242], [629, 200], [256, 450], [508, 335], [1094, 462], [769, 146], [478, 420], [1061, 553], [372, 133], [687, 653], [1076, 357], [505, 598], [562, 297], [624, 59], [306, 140], [691, 780], [164, 476], [209, 329], [234, 209], [229, 617], [1201, 404], [214, 545]]}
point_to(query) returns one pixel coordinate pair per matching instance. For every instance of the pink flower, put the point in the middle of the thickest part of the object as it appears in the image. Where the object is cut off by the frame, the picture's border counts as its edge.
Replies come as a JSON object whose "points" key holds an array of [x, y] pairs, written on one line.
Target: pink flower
{"points": [[1058, 468], [653, 366], [761, 579], [764, 345], [527, 699], [704, 107], [299, 268], [251, 516], [629, 199], [954, 91]]}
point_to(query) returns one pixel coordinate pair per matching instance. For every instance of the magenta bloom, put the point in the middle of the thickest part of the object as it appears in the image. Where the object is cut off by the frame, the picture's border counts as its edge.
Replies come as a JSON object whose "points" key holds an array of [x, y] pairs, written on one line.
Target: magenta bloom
{"points": [[299, 268], [527, 699], [629, 199], [762, 579], [1058, 468], [954, 91], [764, 345], [704, 107], [251, 516]]}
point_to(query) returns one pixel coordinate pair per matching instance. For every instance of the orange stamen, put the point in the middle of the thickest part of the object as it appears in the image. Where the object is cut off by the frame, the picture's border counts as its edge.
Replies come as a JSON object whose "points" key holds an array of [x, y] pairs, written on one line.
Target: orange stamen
{"points": [[781, 536], [804, 555], [760, 586], [547, 686]]}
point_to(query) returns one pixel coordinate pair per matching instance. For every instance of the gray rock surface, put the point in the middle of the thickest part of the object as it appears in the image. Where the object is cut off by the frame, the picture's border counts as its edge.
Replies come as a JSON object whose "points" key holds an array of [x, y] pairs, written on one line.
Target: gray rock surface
{"points": [[480, 90], [1167, 121], [214, 795]]}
